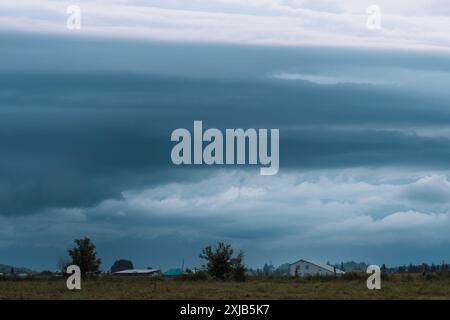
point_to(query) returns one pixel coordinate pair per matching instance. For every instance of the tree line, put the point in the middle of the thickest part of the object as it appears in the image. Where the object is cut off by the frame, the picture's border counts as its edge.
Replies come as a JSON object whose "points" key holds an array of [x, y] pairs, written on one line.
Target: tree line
{"points": [[221, 262]]}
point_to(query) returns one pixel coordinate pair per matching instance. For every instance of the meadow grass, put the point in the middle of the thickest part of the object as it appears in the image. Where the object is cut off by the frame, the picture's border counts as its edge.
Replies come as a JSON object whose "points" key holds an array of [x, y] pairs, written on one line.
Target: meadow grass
{"points": [[394, 287]]}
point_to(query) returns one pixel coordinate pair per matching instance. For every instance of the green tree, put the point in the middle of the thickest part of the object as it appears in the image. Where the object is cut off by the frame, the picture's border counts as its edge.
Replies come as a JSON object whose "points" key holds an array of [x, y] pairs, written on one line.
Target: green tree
{"points": [[62, 265], [237, 267], [267, 269], [85, 256], [121, 265], [221, 264]]}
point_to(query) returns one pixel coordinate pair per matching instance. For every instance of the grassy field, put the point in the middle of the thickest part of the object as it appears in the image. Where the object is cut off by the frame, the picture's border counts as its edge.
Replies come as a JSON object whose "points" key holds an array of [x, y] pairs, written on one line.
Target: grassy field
{"points": [[395, 287]]}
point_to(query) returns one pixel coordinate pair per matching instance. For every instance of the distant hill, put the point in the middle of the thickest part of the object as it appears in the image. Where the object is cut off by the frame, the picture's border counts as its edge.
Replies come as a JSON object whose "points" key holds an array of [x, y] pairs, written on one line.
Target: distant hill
{"points": [[5, 269]]}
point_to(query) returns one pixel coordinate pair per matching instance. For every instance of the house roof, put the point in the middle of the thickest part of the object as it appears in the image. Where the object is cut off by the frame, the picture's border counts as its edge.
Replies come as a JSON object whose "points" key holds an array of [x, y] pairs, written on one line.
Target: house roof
{"points": [[137, 271], [173, 272], [321, 265]]}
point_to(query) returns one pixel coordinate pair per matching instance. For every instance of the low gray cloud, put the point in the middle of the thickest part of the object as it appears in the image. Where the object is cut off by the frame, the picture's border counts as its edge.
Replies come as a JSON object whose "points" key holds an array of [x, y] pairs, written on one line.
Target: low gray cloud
{"points": [[432, 189], [292, 211]]}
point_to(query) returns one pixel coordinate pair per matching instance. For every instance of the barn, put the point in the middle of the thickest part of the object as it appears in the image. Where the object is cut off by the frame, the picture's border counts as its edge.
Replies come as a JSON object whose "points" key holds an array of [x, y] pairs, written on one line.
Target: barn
{"points": [[304, 267]]}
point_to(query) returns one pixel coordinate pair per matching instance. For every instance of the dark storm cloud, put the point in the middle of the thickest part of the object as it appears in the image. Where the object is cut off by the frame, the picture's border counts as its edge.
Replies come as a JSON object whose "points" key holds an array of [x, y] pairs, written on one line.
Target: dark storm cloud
{"points": [[326, 148], [81, 120]]}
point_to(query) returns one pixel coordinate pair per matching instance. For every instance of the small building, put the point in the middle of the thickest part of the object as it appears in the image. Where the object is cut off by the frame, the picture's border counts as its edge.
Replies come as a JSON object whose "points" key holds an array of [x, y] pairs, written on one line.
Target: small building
{"points": [[139, 272], [175, 272], [303, 267]]}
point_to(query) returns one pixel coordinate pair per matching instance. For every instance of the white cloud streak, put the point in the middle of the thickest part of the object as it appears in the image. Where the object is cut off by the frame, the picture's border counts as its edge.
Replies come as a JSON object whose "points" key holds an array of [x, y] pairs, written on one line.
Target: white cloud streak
{"points": [[335, 208], [405, 24]]}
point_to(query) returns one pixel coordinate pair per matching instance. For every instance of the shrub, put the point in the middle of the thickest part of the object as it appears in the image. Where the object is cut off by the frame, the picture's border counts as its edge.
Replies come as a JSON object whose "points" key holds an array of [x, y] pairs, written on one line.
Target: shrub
{"points": [[353, 275], [221, 264], [198, 276]]}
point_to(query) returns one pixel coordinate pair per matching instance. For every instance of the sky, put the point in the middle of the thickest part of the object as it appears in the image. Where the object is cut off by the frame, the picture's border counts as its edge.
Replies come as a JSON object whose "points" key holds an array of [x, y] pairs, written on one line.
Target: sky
{"points": [[417, 24], [86, 117]]}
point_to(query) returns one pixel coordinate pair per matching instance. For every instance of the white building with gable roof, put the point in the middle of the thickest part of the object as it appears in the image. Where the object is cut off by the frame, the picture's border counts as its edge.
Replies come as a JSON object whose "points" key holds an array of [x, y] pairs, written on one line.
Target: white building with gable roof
{"points": [[303, 267]]}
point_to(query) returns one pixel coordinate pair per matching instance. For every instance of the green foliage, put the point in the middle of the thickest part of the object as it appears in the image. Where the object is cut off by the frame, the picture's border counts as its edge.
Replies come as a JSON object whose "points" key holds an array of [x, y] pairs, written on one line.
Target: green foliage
{"points": [[237, 267], [121, 265], [353, 275], [198, 276], [85, 256], [221, 264], [6, 270], [282, 269], [316, 278], [351, 266], [268, 269]]}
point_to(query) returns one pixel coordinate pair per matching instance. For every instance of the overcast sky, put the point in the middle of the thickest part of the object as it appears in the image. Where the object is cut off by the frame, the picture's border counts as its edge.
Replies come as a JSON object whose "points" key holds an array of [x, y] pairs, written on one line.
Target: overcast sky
{"points": [[86, 116], [405, 23]]}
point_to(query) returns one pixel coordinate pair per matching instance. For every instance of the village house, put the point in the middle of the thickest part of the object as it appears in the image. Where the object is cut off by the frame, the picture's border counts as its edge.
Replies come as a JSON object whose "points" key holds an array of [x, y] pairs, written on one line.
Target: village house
{"points": [[303, 267]]}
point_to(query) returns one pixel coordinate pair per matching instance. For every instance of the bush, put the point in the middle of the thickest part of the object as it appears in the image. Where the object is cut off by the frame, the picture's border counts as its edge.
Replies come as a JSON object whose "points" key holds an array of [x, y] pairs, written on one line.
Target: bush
{"points": [[313, 278], [429, 276], [443, 274], [237, 268], [407, 277], [121, 265], [221, 264], [352, 276], [385, 276], [198, 276]]}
